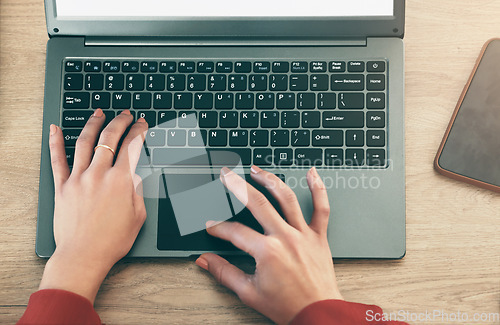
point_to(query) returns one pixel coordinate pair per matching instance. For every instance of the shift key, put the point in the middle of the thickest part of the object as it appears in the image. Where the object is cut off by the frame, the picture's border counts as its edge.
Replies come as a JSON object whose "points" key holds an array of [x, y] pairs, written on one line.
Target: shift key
{"points": [[343, 119]]}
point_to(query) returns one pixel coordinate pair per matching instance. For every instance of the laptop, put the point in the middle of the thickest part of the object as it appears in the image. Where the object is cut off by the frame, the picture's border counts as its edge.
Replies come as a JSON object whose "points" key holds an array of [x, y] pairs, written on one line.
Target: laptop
{"points": [[285, 85]]}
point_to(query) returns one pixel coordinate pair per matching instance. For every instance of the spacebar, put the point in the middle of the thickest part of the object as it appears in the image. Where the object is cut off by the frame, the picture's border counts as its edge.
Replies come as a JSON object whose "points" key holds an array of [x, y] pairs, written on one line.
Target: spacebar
{"points": [[217, 157]]}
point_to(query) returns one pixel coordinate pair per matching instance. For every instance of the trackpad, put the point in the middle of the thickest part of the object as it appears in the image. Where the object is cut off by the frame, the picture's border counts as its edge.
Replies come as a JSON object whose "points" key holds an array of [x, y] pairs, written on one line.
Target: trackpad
{"points": [[190, 201]]}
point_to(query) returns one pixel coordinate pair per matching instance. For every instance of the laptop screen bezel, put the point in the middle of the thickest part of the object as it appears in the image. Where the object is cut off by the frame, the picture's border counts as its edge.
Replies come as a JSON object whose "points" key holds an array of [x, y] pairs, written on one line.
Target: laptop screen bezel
{"points": [[230, 28]]}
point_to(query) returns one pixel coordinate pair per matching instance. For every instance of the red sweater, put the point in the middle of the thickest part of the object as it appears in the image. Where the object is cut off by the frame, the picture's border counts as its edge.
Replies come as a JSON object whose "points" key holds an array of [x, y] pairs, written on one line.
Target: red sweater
{"points": [[58, 307]]}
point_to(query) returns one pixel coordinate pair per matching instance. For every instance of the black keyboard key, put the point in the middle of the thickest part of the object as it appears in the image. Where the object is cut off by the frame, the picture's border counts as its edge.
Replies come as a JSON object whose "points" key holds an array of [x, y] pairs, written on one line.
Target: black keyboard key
{"points": [[186, 67], [76, 100], [308, 157], [70, 136], [278, 82], [121, 100], [261, 67], [375, 82], [249, 119], [217, 138], [92, 66], [205, 67], [281, 67], [217, 82], [142, 101], [317, 66], [285, 100], [238, 138], [257, 82], [298, 82], [355, 138], [375, 157], [375, 138], [375, 119], [337, 66], [351, 100], [73, 81], [262, 157], [175, 138], [299, 66], [301, 138], [224, 101], [244, 101], [269, 120], [176, 82], [197, 138], [375, 100], [203, 100], [110, 115], [334, 157], [149, 116], [155, 137], [162, 100], [187, 119], [135, 82], [237, 82], [354, 157], [343, 119], [155, 82], [264, 101], [356, 66], [327, 100], [167, 119], [73, 66], [290, 119], [319, 82], [311, 119], [327, 138], [375, 66], [228, 119], [111, 66], [196, 82], [168, 66], [283, 157], [149, 66], [101, 100], [350, 82], [208, 120], [115, 81], [280, 138], [230, 156], [242, 67], [224, 67], [306, 100], [183, 100], [130, 66], [259, 138], [94, 82], [75, 119]]}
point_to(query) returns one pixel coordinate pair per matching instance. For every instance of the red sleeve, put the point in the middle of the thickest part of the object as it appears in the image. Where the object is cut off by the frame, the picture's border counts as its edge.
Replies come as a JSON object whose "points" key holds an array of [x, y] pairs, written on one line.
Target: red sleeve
{"points": [[339, 312], [55, 307]]}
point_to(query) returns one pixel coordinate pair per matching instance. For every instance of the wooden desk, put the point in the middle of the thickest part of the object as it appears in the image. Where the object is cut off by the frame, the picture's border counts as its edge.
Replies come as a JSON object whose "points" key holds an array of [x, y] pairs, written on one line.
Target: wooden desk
{"points": [[453, 242]]}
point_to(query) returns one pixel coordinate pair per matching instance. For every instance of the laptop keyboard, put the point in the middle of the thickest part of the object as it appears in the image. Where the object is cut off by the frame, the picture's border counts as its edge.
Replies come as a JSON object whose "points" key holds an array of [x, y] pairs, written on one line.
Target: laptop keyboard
{"points": [[270, 113]]}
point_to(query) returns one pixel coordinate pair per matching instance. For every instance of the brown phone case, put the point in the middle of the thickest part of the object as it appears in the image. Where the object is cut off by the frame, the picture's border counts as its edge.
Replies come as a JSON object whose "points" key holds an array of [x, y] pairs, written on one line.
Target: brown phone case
{"points": [[448, 173]]}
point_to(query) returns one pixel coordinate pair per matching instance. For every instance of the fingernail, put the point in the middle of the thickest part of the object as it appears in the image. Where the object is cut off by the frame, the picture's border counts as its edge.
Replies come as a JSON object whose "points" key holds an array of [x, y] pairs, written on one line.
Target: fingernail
{"points": [[53, 129], [201, 262], [314, 172], [224, 171], [255, 169], [98, 112], [126, 112], [210, 223], [141, 119]]}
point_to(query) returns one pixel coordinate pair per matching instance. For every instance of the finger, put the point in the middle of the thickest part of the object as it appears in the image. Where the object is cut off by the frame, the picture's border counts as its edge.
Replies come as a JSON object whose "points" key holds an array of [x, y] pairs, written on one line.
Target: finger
{"points": [[255, 201], [86, 142], [131, 146], [110, 137], [321, 214], [283, 194], [228, 275], [138, 199], [241, 236], [58, 159]]}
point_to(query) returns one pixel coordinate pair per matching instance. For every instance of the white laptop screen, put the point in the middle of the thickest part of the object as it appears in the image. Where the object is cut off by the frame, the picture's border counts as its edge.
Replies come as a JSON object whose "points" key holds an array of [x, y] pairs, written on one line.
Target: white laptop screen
{"points": [[147, 9]]}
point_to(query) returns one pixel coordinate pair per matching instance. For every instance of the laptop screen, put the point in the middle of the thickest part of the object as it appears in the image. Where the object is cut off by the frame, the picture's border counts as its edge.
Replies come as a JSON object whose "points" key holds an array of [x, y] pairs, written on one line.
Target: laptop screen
{"points": [[149, 9]]}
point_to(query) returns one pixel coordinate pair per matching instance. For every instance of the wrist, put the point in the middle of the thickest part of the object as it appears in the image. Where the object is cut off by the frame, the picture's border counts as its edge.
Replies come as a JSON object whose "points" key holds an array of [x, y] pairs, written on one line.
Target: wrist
{"points": [[74, 274]]}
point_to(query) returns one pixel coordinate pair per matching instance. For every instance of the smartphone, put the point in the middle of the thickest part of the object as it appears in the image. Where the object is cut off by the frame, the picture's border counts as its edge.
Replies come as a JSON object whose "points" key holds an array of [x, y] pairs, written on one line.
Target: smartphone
{"points": [[470, 150]]}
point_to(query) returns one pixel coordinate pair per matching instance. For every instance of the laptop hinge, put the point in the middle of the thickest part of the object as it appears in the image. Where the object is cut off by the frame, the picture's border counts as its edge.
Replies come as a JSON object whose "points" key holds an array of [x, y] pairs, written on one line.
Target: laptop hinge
{"points": [[157, 41]]}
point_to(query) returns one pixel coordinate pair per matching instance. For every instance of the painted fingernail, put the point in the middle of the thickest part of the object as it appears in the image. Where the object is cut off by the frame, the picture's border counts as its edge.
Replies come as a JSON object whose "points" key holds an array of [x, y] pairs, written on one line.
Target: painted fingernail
{"points": [[255, 169], [126, 112], [201, 262], [53, 129], [98, 112], [224, 171]]}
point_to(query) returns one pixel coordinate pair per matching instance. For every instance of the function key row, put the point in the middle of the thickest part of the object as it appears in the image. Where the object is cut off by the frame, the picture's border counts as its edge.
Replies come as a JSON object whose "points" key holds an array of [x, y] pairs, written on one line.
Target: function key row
{"points": [[225, 66]]}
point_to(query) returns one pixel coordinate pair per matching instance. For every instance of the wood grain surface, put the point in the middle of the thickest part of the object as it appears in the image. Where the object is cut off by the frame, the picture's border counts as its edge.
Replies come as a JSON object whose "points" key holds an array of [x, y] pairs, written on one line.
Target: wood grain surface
{"points": [[453, 242]]}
